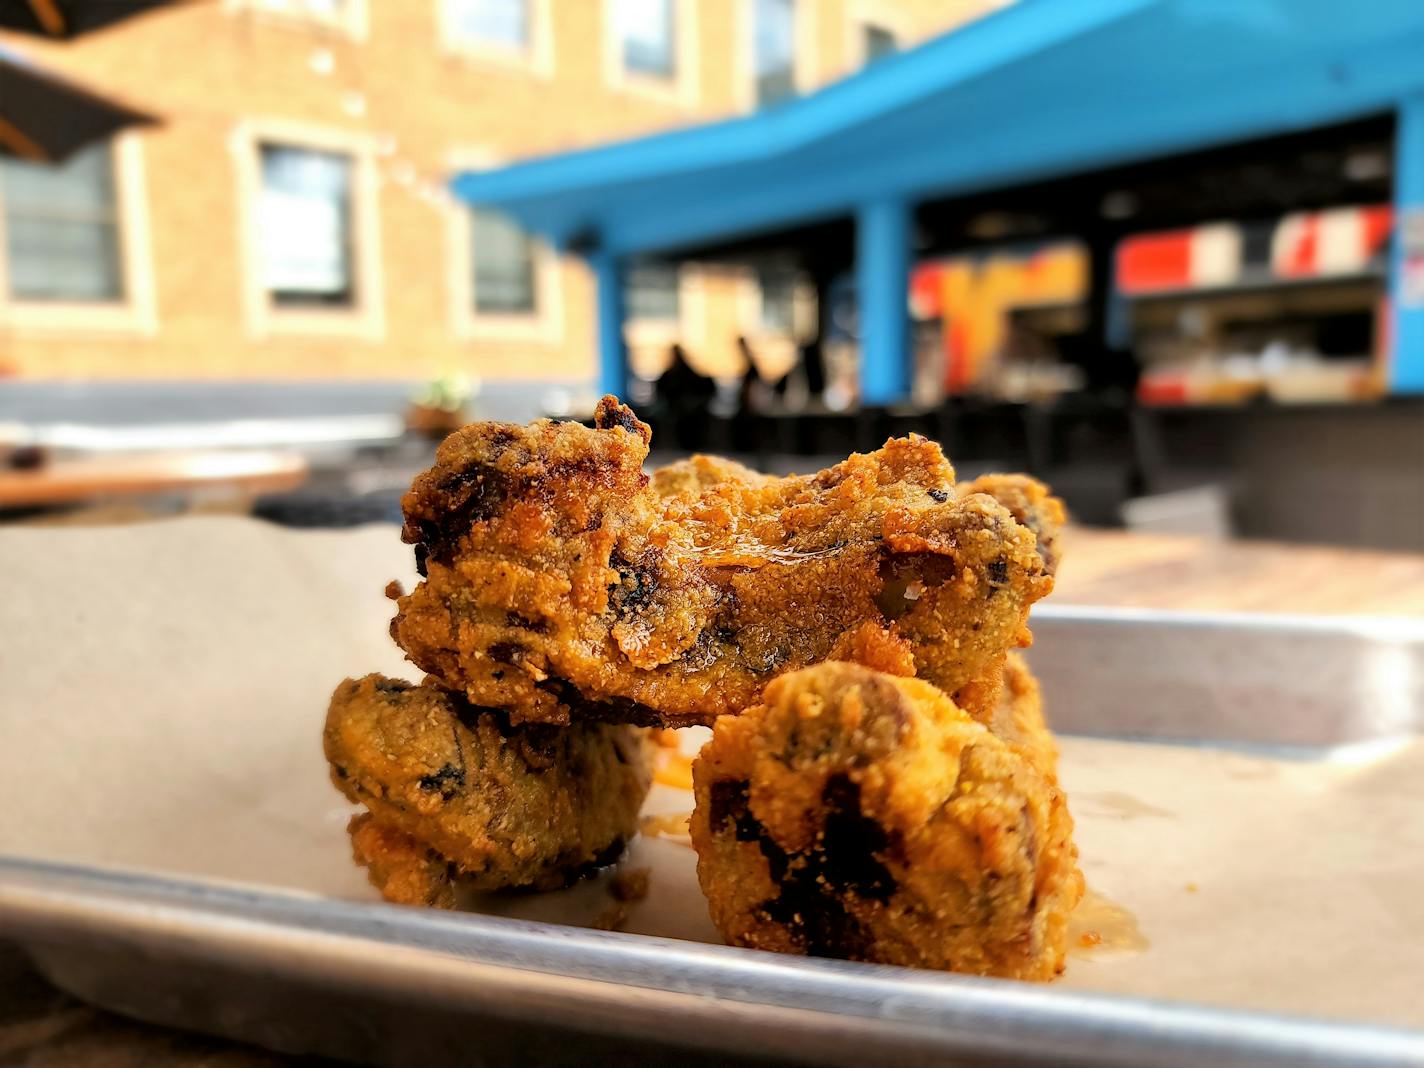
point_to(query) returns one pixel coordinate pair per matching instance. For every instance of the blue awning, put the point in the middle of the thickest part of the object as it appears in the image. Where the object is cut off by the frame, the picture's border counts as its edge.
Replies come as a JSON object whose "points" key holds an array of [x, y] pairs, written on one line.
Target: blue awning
{"points": [[1041, 89]]}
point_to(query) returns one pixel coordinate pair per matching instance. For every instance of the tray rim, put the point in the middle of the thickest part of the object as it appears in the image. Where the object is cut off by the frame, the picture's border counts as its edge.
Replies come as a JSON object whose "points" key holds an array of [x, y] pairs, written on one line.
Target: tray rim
{"points": [[1370, 627], [516, 969]]}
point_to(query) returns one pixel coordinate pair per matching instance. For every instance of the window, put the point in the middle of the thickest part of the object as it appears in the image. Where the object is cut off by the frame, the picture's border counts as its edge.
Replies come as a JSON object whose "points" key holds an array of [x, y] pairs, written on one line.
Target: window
{"points": [[777, 287], [310, 230], [504, 285], [503, 257], [652, 292], [774, 50], [647, 37], [503, 24], [304, 227], [879, 42], [62, 240]]}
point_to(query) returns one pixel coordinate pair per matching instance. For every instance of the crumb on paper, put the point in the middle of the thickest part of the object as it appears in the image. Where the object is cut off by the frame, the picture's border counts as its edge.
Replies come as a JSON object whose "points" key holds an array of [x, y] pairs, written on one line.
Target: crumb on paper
{"points": [[629, 886], [394, 590], [612, 918], [626, 888], [1090, 938]]}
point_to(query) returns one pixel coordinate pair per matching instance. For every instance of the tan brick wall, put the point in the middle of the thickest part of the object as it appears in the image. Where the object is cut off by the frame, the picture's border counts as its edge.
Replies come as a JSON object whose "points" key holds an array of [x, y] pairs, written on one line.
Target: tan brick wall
{"points": [[211, 67]]}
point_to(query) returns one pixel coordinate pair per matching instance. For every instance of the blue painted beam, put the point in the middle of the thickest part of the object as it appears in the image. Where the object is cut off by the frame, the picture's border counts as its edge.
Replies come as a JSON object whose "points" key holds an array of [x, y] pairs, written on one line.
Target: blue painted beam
{"points": [[1406, 368], [1041, 89], [882, 282], [1003, 37], [612, 354], [1076, 128]]}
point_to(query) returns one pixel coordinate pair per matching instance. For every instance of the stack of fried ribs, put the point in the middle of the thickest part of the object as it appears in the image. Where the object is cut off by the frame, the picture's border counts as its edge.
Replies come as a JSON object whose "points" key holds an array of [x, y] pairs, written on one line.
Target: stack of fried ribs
{"points": [[568, 600]]}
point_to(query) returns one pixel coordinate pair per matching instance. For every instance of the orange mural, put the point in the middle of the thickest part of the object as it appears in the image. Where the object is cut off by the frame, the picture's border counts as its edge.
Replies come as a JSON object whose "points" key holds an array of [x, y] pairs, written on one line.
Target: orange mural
{"points": [[973, 295]]}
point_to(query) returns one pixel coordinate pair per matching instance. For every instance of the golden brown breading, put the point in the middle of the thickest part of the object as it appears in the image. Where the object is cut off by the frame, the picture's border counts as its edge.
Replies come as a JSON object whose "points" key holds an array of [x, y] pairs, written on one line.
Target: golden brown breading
{"points": [[1019, 719], [402, 869], [506, 806], [557, 577], [1032, 504], [701, 472], [860, 815]]}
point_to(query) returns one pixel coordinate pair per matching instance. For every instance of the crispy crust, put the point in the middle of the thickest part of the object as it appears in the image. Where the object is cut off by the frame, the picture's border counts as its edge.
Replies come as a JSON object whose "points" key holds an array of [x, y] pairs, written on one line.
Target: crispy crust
{"points": [[1019, 717], [560, 584], [1031, 503], [401, 868], [860, 815], [500, 806], [701, 472]]}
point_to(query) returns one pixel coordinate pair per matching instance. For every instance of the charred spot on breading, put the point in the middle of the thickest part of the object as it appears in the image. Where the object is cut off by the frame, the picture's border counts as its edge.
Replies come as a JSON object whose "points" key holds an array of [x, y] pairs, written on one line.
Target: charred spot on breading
{"points": [[610, 415], [505, 652], [612, 710], [637, 580], [466, 497], [811, 903], [446, 782], [851, 844]]}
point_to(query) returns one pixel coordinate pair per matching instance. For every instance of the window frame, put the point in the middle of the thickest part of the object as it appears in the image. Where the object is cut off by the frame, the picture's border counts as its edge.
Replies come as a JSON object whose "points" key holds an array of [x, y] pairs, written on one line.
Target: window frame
{"points": [[751, 308], [648, 340], [364, 318], [805, 61], [861, 14], [793, 295], [133, 313], [543, 326], [867, 29], [354, 22], [677, 270], [682, 88], [537, 57]]}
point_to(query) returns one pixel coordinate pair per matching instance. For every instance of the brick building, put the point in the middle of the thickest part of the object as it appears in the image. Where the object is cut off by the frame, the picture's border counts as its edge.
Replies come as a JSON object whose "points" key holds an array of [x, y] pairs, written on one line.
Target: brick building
{"points": [[288, 219]]}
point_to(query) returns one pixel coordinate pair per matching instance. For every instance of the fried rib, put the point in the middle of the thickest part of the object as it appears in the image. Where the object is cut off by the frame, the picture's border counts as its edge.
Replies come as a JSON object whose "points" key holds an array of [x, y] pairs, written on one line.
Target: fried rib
{"points": [[559, 584], [498, 806], [859, 815]]}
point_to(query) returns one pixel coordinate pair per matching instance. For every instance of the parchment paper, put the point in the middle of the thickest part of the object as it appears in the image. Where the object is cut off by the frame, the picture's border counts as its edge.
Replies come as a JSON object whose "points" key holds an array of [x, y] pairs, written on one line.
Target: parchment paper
{"points": [[162, 690]]}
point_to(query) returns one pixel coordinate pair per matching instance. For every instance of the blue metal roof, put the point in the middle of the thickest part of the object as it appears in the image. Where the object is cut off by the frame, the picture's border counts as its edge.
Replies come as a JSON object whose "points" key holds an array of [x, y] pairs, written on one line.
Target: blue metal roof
{"points": [[1039, 89]]}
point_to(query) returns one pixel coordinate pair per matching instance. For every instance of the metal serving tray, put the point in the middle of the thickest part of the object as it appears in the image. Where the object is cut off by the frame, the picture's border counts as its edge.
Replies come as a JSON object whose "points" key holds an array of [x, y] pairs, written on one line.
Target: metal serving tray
{"points": [[183, 944], [382, 984], [1291, 683]]}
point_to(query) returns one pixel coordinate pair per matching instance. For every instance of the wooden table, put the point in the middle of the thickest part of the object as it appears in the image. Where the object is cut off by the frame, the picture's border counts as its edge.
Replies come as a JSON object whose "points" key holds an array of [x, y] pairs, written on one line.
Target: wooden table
{"points": [[151, 474], [1113, 567], [40, 1027]]}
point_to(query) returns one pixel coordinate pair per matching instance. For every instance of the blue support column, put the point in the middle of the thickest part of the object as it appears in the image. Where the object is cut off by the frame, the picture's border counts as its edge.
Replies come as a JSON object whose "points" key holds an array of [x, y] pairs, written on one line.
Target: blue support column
{"points": [[882, 282], [1406, 286], [612, 353]]}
